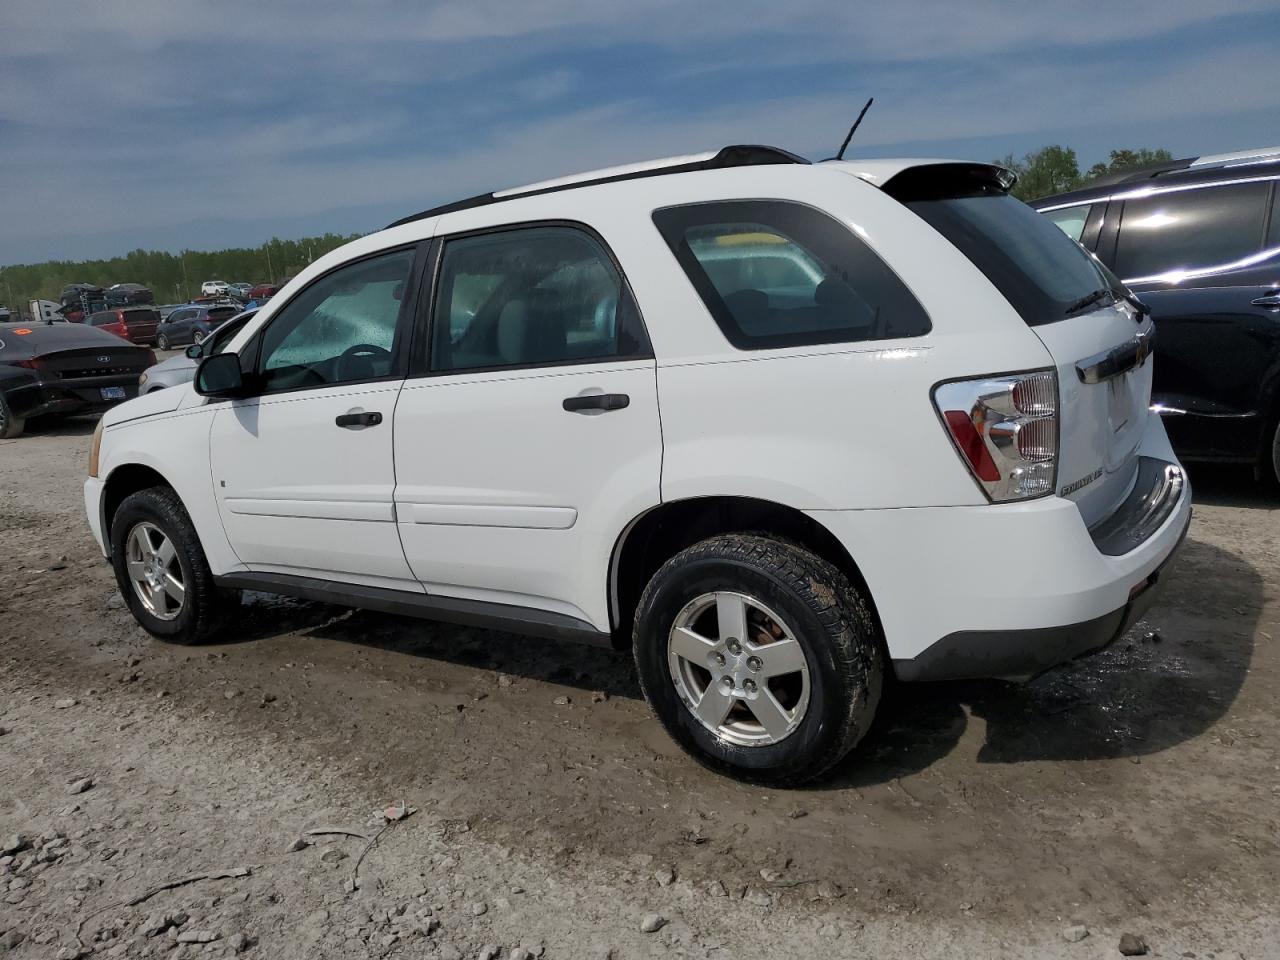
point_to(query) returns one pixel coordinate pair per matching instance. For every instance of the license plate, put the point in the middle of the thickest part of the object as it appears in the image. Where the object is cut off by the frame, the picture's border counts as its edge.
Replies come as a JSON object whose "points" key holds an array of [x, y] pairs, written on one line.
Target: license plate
{"points": [[113, 393]]}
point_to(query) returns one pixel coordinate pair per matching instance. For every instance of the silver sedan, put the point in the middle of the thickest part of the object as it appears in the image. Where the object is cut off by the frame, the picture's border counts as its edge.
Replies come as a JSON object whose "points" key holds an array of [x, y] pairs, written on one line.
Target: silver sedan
{"points": [[181, 369]]}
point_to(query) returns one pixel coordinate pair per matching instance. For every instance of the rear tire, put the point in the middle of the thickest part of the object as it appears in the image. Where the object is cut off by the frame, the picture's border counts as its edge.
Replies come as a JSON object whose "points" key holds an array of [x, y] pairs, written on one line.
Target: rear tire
{"points": [[152, 537], [781, 728], [10, 426]]}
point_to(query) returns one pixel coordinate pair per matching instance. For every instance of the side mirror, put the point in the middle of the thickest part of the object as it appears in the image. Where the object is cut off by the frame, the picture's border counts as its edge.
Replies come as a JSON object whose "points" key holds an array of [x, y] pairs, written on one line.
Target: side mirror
{"points": [[219, 377], [194, 351]]}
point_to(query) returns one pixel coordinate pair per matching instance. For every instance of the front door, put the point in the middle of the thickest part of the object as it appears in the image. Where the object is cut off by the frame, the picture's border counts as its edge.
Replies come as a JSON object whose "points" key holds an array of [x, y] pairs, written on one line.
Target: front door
{"points": [[533, 436], [303, 470]]}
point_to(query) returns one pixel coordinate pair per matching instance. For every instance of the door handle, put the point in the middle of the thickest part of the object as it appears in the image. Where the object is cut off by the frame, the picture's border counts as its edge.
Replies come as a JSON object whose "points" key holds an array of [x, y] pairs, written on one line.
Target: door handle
{"points": [[1270, 300], [358, 420], [596, 401]]}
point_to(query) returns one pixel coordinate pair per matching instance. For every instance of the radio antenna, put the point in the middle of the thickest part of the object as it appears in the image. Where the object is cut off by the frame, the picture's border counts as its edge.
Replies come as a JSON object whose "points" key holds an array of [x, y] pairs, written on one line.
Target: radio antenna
{"points": [[845, 146]]}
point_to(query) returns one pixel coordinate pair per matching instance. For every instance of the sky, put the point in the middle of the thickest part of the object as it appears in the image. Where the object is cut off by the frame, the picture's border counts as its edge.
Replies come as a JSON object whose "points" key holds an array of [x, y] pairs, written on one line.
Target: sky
{"points": [[172, 124]]}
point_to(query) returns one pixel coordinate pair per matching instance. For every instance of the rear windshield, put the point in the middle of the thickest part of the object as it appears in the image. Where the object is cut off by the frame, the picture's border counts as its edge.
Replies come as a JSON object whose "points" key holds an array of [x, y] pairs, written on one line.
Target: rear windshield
{"points": [[222, 313], [102, 319], [1039, 269], [142, 316]]}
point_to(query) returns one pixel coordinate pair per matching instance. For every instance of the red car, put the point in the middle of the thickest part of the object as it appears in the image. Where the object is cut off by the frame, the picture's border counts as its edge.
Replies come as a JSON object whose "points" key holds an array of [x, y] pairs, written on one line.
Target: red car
{"points": [[135, 324], [265, 291]]}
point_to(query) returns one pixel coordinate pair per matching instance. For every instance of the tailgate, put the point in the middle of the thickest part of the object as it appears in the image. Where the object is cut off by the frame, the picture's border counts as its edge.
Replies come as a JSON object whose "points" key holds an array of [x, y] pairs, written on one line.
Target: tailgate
{"points": [[1104, 393], [1099, 343], [142, 324], [94, 363]]}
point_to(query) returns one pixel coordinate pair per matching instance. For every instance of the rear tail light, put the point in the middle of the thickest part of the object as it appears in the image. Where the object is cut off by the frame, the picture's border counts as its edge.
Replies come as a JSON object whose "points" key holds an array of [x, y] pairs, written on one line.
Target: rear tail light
{"points": [[1005, 428], [30, 364]]}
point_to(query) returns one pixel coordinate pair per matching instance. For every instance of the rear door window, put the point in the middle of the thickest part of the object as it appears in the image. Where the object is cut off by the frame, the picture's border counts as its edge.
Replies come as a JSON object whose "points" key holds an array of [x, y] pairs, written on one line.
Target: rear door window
{"points": [[1169, 236], [1071, 220], [774, 273], [533, 296]]}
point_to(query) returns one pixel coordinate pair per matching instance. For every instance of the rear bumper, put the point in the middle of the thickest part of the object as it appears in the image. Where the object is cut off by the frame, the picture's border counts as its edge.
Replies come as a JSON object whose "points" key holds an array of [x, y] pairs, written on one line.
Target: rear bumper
{"points": [[1011, 590], [72, 396], [1023, 654]]}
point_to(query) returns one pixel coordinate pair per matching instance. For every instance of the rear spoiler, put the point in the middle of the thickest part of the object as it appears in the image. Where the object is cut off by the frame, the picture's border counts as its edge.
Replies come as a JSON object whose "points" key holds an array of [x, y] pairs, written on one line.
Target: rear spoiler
{"points": [[936, 181]]}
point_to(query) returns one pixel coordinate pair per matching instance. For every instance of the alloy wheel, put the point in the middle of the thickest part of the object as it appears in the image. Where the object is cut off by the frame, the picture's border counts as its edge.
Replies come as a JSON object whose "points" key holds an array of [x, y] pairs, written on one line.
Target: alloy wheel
{"points": [[152, 562], [739, 668]]}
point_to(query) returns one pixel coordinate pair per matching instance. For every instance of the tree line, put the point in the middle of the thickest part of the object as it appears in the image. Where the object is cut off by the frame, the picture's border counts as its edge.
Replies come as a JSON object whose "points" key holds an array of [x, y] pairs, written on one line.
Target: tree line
{"points": [[1055, 169], [172, 277], [176, 277]]}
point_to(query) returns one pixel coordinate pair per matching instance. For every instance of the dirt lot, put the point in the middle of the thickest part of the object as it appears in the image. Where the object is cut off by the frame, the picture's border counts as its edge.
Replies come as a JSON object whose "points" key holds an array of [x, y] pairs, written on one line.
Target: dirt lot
{"points": [[1137, 792]]}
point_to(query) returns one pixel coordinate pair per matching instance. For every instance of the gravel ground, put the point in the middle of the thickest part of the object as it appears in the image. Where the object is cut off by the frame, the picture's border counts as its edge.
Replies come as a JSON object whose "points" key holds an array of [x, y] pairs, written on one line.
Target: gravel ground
{"points": [[548, 815]]}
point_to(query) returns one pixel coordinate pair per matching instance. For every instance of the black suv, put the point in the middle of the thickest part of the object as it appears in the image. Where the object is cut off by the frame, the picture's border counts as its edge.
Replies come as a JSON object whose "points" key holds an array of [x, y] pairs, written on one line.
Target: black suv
{"points": [[1198, 241]]}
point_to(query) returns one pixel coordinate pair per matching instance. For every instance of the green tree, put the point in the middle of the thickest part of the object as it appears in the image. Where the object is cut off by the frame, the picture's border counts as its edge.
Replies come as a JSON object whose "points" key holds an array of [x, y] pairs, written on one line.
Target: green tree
{"points": [[1054, 169], [172, 277], [1049, 170], [1126, 159]]}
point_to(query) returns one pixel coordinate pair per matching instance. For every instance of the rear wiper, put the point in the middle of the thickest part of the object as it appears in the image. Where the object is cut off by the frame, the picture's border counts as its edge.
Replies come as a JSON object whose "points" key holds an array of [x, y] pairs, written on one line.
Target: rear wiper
{"points": [[1087, 301]]}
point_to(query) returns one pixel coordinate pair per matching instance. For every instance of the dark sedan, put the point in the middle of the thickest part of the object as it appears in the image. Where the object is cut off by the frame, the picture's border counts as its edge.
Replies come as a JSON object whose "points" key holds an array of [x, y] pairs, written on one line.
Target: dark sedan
{"points": [[63, 368], [192, 323]]}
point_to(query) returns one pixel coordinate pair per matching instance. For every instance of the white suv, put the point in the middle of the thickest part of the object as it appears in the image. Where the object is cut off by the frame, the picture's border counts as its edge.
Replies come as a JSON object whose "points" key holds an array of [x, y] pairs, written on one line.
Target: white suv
{"points": [[211, 288], [777, 427]]}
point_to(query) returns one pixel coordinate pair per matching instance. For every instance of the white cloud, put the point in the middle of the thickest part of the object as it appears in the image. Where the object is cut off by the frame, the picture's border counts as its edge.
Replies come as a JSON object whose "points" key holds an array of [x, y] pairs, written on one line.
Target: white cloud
{"points": [[147, 113]]}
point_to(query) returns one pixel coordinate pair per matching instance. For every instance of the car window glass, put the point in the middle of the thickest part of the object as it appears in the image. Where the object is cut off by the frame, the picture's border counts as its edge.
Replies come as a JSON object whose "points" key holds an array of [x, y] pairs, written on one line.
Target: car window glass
{"points": [[540, 295], [219, 339], [340, 329], [776, 274], [1070, 220], [1197, 232]]}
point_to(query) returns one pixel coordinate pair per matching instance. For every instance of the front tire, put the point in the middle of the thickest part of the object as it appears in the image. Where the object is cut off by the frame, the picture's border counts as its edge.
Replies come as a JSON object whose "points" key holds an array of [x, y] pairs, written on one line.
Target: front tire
{"points": [[758, 657], [162, 342], [161, 568]]}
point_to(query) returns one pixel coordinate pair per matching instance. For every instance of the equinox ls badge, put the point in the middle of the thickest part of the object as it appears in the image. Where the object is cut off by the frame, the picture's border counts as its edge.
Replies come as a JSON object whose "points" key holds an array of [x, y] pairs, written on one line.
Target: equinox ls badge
{"points": [[1071, 488]]}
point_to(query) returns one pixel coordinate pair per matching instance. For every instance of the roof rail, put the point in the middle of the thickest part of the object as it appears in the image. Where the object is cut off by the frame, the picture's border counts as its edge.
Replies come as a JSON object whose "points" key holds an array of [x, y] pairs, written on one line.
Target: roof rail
{"points": [[1239, 158], [736, 155]]}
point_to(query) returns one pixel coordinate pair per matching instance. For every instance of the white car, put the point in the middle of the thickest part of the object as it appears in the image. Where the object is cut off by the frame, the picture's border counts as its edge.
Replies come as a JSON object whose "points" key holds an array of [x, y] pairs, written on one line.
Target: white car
{"points": [[778, 428], [212, 288]]}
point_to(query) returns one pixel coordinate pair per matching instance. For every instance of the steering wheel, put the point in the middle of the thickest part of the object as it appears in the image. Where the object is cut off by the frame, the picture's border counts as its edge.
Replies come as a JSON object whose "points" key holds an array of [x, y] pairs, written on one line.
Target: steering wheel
{"points": [[366, 351]]}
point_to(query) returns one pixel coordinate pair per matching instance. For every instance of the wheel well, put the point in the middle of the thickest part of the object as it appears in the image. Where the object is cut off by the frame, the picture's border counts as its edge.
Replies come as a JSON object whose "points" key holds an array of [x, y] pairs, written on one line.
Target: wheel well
{"points": [[123, 481], [663, 532]]}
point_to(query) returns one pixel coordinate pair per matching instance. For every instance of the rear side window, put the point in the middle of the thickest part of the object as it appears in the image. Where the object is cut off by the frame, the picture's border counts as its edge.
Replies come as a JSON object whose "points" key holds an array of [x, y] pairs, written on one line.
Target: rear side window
{"points": [[532, 296], [1039, 269], [1190, 231], [1071, 220], [779, 274]]}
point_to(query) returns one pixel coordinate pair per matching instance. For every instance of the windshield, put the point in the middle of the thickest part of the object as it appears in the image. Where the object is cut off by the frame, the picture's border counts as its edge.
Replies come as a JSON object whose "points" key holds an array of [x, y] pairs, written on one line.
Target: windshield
{"points": [[1040, 270]]}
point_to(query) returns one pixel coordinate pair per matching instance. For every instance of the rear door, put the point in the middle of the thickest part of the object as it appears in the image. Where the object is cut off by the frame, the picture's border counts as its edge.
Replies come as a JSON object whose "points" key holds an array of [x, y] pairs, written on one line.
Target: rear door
{"points": [[1199, 259], [532, 437], [1099, 344]]}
